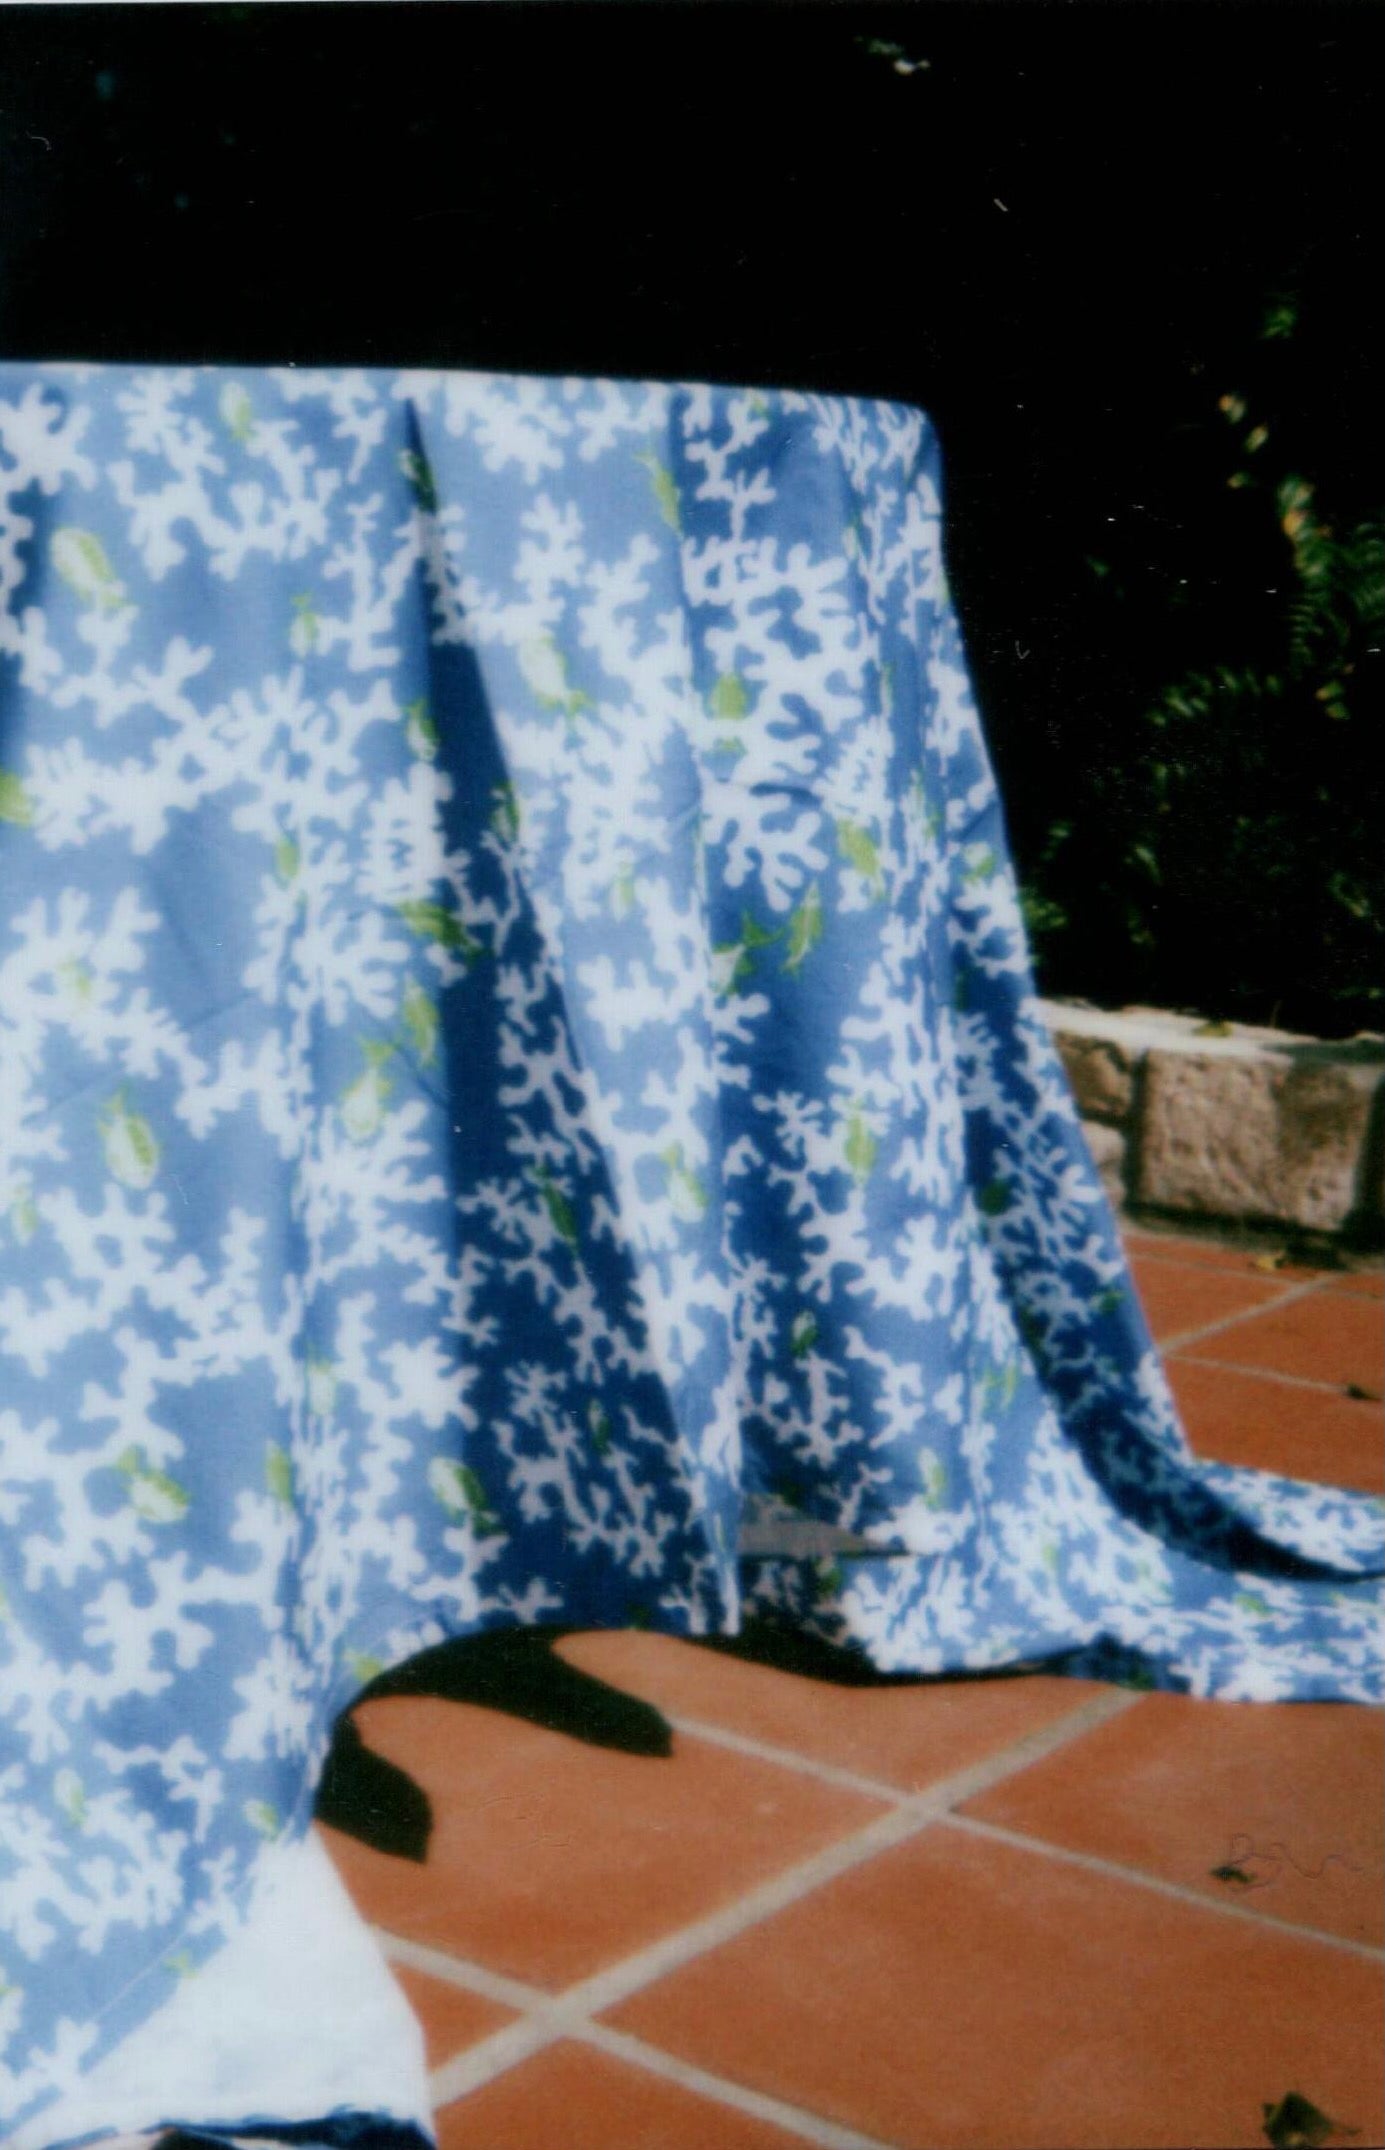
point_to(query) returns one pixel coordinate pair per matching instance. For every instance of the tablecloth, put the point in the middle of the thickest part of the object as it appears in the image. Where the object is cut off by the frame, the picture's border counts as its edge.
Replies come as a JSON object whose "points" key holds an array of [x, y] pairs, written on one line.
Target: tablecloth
{"points": [[522, 1100]]}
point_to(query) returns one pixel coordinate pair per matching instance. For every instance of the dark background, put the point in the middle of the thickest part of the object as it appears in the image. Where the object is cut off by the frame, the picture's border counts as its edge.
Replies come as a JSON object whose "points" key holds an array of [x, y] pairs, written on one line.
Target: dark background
{"points": [[1064, 236]]}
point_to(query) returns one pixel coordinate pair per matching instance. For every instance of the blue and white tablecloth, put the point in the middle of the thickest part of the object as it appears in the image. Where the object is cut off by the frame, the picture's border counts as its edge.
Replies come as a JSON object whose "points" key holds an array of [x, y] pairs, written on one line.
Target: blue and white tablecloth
{"points": [[521, 1100]]}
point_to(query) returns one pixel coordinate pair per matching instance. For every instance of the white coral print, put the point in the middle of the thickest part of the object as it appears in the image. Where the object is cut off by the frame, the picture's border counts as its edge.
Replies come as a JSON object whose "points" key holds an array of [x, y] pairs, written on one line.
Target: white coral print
{"points": [[515, 1029]]}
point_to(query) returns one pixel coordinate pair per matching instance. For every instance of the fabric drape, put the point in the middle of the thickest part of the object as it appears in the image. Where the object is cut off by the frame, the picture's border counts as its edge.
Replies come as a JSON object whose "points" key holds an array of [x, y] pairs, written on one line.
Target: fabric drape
{"points": [[522, 1100]]}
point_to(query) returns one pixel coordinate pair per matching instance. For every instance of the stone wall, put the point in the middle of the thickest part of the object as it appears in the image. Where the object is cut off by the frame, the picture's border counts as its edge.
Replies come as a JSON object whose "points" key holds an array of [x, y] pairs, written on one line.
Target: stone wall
{"points": [[1224, 1121]]}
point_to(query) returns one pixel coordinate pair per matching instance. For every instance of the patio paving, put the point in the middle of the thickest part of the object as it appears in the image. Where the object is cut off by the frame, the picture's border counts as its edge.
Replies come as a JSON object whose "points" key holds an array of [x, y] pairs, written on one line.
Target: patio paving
{"points": [[996, 1914]]}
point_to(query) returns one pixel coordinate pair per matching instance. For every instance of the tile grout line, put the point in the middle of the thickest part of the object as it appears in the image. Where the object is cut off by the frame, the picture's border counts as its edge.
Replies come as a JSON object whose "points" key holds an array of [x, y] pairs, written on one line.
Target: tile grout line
{"points": [[461, 1971], [1288, 1297], [1236, 1266], [1135, 1251], [545, 2018], [796, 2119], [900, 1821], [494, 2056], [1269, 1373], [1112, 1870], [548, 2017], [828, 1773], [805, 1765], [567, 2019], [1328, 1279]]}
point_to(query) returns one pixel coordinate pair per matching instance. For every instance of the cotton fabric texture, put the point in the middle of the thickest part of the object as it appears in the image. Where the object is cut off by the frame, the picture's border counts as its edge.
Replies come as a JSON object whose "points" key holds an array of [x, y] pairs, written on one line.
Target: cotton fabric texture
{"points": [[521, 1100]]}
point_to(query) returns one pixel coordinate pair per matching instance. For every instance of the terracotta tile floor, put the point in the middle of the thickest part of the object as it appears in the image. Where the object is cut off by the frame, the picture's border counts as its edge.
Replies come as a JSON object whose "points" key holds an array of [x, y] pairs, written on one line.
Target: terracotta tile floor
{"points": [[1015, 1914]]}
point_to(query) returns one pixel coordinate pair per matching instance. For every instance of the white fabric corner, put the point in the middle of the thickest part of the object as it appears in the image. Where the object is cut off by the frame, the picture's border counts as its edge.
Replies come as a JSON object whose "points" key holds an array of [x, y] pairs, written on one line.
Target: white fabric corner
{"points": [[296, 2018]]}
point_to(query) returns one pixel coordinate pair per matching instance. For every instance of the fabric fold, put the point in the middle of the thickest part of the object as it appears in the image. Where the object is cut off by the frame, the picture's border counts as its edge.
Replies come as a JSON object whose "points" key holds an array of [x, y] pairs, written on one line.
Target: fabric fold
{"points": [[521, 1101]]}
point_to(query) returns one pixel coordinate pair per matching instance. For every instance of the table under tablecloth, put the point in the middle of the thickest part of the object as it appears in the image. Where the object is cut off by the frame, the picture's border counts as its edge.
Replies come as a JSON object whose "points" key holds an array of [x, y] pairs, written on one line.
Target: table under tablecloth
{"points": [[522, 1101]]}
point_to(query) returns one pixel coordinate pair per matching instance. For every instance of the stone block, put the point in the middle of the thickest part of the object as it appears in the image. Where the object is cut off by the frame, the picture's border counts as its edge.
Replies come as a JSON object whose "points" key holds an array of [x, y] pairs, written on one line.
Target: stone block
{"points": [[1102, 1074], [1282, 1135], [1108, 1148]]}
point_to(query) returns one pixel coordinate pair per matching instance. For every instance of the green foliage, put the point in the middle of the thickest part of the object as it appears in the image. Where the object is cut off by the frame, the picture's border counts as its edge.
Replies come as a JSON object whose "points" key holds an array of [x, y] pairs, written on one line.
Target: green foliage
{"points": [[1220, 842]]}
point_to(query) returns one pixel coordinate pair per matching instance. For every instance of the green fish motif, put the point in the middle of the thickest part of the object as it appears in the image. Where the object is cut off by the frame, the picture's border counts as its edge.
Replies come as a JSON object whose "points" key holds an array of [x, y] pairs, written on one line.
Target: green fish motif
{"points": [[363, 1669], [505, 817], [262, 1817], [16, 807], [737, 958], [237, 413], [994, 1199], [733, 966], [730, 698], [76, 980], [625, 896], [860, 850], [757, 406], [278, 1474], [983, 867], [364, 1101], [861, 1149], [1249, 1601], [287, 859], [828, 1578], [305, 631], [419, 478], [1001, 1384], [545, 671], [79, 557], [561, 1214], [754, 935], [803, 1334], [933, 1473], [686, 1191], [182, 1965], [599, 1426], [151, 1493], [420, 1018], [1109, 1301], [1048, 1554], [918, 794], [420, 730], [132, 1153], [70, 1794], [459, 1489], [805, 929], [432, 922], [321, 1386], [666, 494], [23, 1214]]}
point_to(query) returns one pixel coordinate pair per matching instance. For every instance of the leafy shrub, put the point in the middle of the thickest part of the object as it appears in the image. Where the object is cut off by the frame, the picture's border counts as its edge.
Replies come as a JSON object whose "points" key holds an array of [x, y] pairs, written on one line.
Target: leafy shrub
{"points": [[1214, 841]]}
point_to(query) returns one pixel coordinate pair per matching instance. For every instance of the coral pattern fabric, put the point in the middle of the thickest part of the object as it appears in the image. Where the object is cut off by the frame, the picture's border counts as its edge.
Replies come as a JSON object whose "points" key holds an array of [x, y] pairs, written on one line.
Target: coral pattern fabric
{"points": [[522, 1100]]}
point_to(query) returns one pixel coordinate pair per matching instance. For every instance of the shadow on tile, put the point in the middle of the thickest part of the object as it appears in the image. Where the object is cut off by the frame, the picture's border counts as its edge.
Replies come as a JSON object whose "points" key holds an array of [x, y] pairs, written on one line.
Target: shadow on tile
{"points": [[515, 1671]]}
